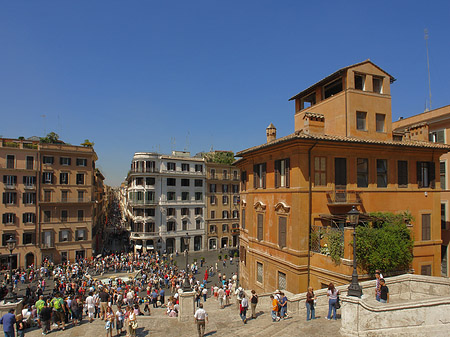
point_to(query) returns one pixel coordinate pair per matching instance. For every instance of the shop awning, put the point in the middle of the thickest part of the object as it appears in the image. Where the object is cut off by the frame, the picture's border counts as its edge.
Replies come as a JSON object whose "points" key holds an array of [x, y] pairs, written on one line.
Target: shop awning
{"points": [[138, 246], [150, 247]]}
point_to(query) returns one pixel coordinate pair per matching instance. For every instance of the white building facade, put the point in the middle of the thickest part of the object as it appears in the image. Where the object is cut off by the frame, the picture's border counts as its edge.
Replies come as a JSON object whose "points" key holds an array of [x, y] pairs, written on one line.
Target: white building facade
{"points": [[166, 202]]}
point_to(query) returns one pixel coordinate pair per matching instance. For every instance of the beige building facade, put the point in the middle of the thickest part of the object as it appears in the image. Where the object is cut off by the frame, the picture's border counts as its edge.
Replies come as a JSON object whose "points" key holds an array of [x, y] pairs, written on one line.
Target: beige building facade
{"points": [[222, 205], [49, 200]]}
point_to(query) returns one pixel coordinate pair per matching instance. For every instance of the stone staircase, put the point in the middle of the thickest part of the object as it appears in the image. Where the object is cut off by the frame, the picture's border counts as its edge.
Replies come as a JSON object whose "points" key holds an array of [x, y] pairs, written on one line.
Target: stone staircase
{"points": [[226, 322]]}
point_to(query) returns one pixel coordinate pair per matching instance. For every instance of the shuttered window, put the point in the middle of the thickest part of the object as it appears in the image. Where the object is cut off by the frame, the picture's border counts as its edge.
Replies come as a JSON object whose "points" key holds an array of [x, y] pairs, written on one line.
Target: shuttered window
{"points": [[402, 173], [282, 231], [426, 174], [260, 230], [426, 227], [259, 175], [243, 218], [320, 171], [282, 173]]}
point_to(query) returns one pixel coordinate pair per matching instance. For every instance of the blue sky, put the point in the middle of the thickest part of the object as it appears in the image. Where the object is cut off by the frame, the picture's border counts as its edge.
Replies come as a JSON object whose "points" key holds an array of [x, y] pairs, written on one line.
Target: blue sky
{"points": [[161, 75]]}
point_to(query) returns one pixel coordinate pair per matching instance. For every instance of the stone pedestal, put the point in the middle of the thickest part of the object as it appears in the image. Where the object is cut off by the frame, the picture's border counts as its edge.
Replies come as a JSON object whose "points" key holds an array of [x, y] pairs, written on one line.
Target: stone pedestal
{"points": [[187, 306], [17, 306]]}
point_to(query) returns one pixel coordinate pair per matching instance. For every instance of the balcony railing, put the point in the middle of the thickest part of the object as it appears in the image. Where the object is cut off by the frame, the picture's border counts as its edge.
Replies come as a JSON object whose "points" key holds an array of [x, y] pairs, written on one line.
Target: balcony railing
{"points": [[143, 235], [48, 245], [343, 197], [142, 202], [67, 200], [10, 186]]}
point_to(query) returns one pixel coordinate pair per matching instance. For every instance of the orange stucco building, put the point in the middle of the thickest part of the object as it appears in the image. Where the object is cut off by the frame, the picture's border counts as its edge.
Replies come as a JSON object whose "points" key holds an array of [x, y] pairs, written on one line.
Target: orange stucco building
{"points": [[343, 153], [434, 125]]}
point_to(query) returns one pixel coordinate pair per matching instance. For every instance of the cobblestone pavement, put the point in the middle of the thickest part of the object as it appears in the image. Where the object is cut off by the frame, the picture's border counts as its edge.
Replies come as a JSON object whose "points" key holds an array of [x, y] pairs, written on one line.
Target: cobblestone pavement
{"points": [[222, 322]]}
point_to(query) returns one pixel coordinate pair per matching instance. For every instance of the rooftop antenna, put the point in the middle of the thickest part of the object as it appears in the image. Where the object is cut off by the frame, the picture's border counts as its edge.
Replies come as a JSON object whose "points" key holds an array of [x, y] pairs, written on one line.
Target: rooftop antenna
{"points": [[172, 144], [186, 149], [428, 65], [45, 131]]}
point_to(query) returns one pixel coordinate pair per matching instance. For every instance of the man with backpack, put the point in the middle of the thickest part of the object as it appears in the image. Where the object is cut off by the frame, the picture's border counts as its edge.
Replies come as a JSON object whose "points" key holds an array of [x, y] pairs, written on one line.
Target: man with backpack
{"points": [[39, 305], [59, 310]]}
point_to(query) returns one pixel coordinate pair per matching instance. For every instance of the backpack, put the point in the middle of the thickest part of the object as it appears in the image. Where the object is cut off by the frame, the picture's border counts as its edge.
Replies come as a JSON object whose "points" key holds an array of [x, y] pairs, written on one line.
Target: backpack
{"points": [[241, 294], [56, 302], [254, 299]]}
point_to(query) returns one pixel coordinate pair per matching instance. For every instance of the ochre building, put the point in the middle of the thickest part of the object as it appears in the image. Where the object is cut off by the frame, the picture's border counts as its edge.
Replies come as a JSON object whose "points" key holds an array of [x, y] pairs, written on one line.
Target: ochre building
{"points": [[50, 201], [343, 153], [434, 125]]}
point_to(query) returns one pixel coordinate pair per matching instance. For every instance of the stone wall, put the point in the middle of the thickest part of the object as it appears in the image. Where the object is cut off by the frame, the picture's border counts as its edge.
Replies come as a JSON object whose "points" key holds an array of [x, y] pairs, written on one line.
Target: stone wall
{"points": [[418, 306]]}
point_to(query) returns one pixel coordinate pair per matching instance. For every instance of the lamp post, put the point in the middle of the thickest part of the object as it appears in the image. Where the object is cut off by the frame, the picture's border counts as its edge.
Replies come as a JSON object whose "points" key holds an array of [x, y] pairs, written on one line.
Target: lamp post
{"points": [[354, 289], [186, 240], [10, 297]]}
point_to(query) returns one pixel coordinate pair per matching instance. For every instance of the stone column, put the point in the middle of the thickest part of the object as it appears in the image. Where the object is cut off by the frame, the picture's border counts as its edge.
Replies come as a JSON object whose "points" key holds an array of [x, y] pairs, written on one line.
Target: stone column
{"points": [[187, 306]]}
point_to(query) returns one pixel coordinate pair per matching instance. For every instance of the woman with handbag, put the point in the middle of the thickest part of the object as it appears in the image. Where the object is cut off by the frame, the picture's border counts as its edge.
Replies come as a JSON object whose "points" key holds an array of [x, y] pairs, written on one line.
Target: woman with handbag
{"points": [[332, 294], [132, 323]]}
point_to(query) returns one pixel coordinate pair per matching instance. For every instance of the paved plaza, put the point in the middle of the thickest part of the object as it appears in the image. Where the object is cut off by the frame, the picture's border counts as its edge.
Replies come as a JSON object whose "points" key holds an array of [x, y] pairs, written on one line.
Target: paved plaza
{"points": [[222, 322]]}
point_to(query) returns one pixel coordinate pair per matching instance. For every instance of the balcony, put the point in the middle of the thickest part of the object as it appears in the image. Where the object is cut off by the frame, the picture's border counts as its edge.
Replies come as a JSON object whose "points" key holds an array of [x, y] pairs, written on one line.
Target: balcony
{"points": [[48, 245], [343, 197], [10, 186], [67, 200], [143, 235], [30, 187], [142, 202]]}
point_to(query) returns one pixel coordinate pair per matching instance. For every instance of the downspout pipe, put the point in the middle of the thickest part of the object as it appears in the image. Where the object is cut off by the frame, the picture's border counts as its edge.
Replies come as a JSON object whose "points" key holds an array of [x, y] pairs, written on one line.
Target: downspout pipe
{"points": [[309, 211]]}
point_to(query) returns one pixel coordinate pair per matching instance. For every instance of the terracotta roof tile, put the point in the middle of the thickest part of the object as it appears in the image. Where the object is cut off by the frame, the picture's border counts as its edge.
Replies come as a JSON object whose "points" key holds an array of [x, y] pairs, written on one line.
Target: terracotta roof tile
{"points": [[334, 138]]}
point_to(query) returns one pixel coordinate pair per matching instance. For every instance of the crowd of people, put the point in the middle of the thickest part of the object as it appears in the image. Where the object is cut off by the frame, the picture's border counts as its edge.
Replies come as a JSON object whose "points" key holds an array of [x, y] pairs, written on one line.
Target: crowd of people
{"points": [[60, 295]]}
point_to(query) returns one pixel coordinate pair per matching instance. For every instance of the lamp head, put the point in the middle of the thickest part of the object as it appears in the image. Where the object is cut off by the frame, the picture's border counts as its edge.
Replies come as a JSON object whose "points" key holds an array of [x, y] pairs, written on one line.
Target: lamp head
{"points": [[353, 216], [11, 243]]}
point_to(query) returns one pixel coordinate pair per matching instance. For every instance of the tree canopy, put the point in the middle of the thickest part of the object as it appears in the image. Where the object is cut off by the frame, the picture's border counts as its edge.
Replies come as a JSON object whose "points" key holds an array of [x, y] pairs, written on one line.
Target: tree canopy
{"points": [[220, 157], [385, 244], [51, 138], [87, 143]]}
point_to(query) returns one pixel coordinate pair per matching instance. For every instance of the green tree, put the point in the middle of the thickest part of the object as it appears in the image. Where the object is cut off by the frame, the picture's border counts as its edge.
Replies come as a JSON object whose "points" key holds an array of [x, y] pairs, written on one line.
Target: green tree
{"points": [[51, 138], [220, 157], [87, 143], [386, 243]]}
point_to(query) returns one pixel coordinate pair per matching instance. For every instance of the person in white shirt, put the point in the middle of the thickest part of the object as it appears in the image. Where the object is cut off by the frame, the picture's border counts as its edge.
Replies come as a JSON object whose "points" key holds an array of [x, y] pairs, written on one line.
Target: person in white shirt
{"points": [[90, 302], [201, 317]]}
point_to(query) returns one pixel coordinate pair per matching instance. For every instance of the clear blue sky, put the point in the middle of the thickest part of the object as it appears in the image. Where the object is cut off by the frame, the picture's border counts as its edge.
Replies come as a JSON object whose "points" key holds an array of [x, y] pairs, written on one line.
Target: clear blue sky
{"points": [[144, 75]]}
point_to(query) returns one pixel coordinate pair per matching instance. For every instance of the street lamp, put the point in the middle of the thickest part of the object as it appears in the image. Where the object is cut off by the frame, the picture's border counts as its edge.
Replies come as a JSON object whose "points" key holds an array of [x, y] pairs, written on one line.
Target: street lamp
{"points": [[186, 240], [10, 297], [354, 289]]}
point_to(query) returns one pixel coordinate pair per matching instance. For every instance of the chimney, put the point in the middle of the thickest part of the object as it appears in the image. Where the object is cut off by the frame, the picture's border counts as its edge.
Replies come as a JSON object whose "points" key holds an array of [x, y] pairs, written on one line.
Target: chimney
{"points": [[313, 123], [271, 133]]}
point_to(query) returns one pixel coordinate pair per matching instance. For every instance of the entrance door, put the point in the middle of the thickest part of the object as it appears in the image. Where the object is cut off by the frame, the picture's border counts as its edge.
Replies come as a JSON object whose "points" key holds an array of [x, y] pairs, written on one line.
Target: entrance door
{"points": [[340, 173], [170, 244], [197, 243], [29, 259]]}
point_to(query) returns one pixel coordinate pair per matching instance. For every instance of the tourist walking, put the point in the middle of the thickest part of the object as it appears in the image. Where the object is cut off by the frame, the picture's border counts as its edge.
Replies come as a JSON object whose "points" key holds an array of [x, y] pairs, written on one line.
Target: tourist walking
{"points": [[119, 320], [253, 303], [274, 302], [45, 316], [8, 320], [109, 324], [310, 309], [201, 317], [132, 321], [59, 310], [283, 305], [90, 303], [243, 308], [332, 294]]}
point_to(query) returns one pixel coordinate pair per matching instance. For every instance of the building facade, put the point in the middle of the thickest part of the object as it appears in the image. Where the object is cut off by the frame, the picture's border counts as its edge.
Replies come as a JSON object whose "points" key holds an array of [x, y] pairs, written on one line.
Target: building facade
{"points": [[48, 200], [222, 197], [166, 201], [343, 153], [434, 125]]}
